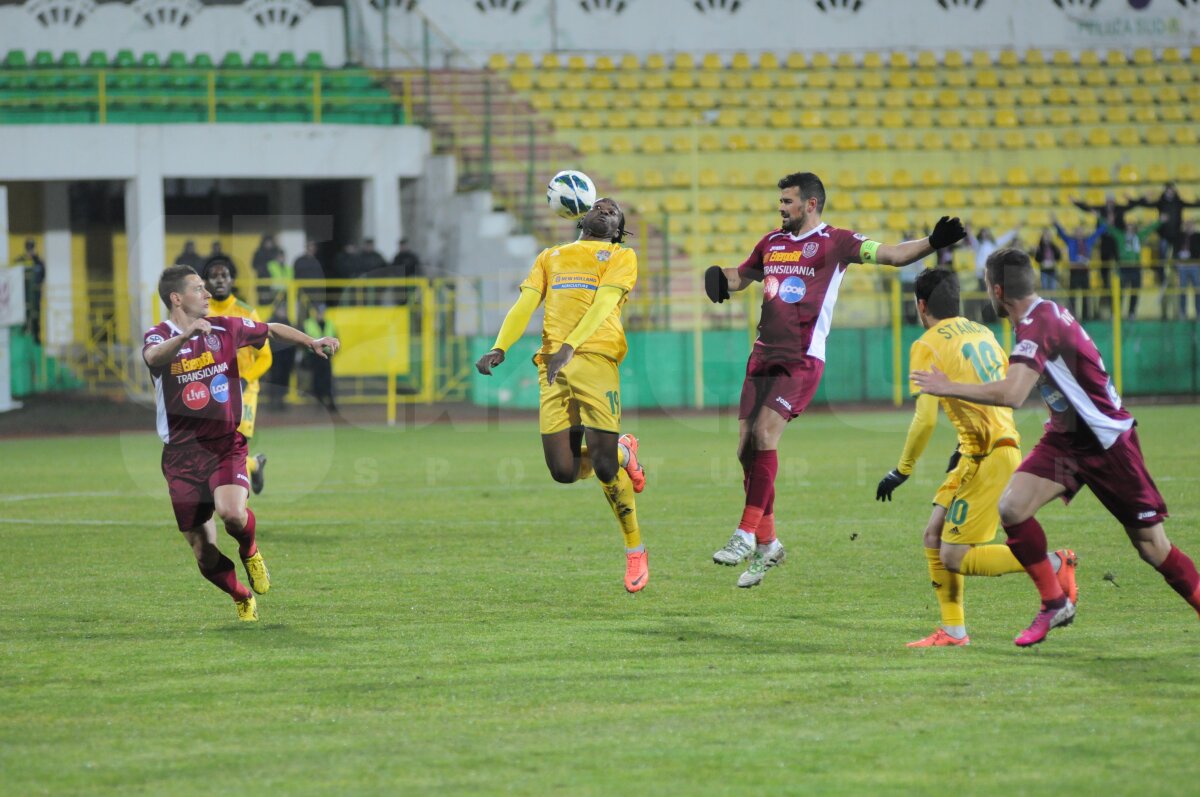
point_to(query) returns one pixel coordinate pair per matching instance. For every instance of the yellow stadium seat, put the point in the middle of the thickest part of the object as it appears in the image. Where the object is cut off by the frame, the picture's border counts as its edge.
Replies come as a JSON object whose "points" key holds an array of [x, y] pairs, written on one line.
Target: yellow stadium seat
{"points": [[676, 100], [1068, 78], [762, 81], [923, 100], [1158, 136], [1040, 197], [710, 142], [980, 59], [575, 81], [1060, 117], [653, 178], [737, 142], [709, 178], [679, 178], [1017, 176], [771, 61], [1125, 76], [497, 62], [626, 179], [681, 80], [680, 143], [1005, 118], [988, 176], [932, 141], [1128, 137], [577, 63], [739, 61], [522, 61], [712, 62], [927, 200], [1057, 95], [899, 200], [655, 61], [568, 100], [847, 141], [1033, 57], [620, 145], [653, 81], [675, 204], [961, 141], [820, 141], [953, 59], [1098, 175], [766, 142], [1011, 197], [872, 60], [975, 99], [706, 204], [547, 80], [1014, 139], [875, 178], [1089, 115], [796, 60], [845, 80], [1089, 58], [872, 82], [984, 197], [1127, 174], [1186, 171], [1095, 77], [954, 198], [899, 80], [1062, 58], [1008, 58], [1185, 135], [956, 78], [904, 140], [629, 63], [898, 221], [549, 61], [730, 203], [870, 200], [818, 80], [1043, 139], [872, 140], [520, 81], [589, 145], [1071, 138], [603, 63], [1115, 58], [926, 60], [844, 60], [1099, 137]]}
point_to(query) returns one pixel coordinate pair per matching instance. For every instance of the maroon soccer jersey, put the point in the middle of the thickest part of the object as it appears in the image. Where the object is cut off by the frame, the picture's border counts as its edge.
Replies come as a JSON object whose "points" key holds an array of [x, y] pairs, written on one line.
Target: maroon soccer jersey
{"points": [[801, 275], [1084, 404], [199, 393]]}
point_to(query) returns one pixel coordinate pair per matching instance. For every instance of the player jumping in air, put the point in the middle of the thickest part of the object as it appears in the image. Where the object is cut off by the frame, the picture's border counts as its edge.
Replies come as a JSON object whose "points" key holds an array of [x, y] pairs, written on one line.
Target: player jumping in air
{"points": [[584, 284], [193, 361], [801, 266], [1090, 440], [219, 275], [966, 507]]}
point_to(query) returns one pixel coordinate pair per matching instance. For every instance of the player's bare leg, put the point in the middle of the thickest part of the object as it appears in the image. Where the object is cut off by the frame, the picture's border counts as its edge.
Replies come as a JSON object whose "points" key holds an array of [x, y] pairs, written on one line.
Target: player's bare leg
{"points": [[219, 569], [563, 454], [229, 501], [1176, 567], [619, 492]]}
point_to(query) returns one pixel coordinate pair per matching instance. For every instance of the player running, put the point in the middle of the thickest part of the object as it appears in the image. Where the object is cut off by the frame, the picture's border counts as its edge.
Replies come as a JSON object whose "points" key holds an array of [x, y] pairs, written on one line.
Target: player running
{"points": [[966, 507], [801, 266], [584, 285], [193, 362], [219, 275], [1090, 440]]}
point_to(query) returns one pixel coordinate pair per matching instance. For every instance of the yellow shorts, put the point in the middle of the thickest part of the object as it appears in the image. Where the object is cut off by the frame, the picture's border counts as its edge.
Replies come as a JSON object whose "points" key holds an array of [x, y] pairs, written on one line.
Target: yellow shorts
{"points": [[249, 410], [971, 494], [586, 393]]}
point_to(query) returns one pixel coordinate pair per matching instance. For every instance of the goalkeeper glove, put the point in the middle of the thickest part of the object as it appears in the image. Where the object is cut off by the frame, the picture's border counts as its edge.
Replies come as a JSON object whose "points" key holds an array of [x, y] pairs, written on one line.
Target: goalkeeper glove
{"points": [[716, 284], [889, 483], [947, 232]]}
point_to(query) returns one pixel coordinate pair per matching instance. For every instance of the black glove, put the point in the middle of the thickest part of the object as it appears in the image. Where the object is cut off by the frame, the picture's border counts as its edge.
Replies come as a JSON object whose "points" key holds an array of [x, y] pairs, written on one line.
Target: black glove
{"points": [[954, 458], [947, 232], [889, 483], [716, 284]]}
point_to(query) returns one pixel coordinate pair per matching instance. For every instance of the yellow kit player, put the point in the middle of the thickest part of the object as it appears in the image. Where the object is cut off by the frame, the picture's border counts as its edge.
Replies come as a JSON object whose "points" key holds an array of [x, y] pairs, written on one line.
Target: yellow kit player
{"points": [[584, 284], [219, 274], [966, 509]]}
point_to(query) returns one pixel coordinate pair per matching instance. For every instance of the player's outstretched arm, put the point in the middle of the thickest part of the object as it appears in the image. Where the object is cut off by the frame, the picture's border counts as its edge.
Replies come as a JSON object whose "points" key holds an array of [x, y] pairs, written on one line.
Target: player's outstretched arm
{"points": [[947, 232], [1011, 391], [510, 331], [322, 347], [919, 431]]}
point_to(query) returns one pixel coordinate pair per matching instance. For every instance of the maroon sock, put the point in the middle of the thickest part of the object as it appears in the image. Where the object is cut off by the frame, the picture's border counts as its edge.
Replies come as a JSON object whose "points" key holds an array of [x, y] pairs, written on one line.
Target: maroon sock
{"points": [[1027, 541], [1180, 572], [762, 488], [245, 537], [224, 576]]}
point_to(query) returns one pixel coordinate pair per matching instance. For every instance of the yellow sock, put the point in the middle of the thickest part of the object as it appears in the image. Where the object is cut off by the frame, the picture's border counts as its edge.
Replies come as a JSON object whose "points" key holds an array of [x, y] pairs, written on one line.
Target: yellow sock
{"points": [[989, 560], [622, 455], [619, 493], [251, 466], [949, 589]]}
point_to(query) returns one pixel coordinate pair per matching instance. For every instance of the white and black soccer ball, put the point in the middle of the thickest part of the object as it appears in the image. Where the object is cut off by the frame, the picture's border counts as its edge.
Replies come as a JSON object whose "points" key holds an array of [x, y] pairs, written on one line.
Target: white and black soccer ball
{"points": [[570, 194]]}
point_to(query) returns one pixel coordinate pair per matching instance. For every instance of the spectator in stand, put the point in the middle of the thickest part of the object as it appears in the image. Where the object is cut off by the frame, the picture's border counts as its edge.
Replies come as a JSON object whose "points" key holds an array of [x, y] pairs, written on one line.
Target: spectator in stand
{"points": [[406, 263], [983, 246], [322, 369], [345, 265], [280, 374], [1129, 258], [1170, 210], [266, 253], [1110, 206], [190, 257], [369, 258], [1108, 248], [1187, 261], [1047, 254], [308, 267], [217, 253], [279, 276], [35, 278], [1079, 253]]}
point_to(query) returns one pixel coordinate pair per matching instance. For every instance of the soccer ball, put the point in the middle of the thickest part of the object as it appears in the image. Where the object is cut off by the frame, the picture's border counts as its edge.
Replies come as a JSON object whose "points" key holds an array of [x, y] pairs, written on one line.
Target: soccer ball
{"points": [[570, 194]]}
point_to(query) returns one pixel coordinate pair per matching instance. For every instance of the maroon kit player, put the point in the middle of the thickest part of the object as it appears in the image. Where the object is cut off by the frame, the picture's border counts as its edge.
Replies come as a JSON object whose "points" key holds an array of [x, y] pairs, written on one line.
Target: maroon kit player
{"points": [[1090, 440], [801, 266], [197, 389]]}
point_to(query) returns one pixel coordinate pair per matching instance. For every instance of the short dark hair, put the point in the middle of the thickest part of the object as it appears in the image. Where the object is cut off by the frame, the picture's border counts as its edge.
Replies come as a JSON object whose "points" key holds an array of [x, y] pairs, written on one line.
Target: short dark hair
{"points": [[218, 260], [171, 281], [1011, 268], [810, 186], [938, 288]]}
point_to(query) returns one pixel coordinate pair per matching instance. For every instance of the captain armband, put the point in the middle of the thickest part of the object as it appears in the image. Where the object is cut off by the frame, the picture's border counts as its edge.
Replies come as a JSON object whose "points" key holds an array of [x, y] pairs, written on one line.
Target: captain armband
{"points": [[867, 252]]}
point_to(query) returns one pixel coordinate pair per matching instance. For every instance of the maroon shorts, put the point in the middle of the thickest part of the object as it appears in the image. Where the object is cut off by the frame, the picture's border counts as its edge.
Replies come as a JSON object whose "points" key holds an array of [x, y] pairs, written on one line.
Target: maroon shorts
{"points": [[194, 472], [1117, 476], [785, 387]]}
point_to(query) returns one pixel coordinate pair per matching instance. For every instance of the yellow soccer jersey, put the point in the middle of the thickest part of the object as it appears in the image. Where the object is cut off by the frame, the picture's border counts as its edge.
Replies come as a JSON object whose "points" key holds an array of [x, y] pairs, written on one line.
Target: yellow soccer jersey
{"points": [[967, 352], [252, 362], [567, 277]]}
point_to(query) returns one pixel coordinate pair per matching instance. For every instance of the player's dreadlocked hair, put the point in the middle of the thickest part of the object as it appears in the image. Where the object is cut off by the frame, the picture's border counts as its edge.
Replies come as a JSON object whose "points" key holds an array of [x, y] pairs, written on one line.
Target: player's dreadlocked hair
{"points": [[218, 260], [622, 233]]}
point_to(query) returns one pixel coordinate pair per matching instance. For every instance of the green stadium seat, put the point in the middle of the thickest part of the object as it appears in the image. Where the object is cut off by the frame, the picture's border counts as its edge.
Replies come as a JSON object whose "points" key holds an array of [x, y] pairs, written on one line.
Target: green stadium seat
{"points": [[69, 60], [232, 60], [286, 60], [202, 61], [124, 59], [97, 59], [43, 59], [313, 60]]}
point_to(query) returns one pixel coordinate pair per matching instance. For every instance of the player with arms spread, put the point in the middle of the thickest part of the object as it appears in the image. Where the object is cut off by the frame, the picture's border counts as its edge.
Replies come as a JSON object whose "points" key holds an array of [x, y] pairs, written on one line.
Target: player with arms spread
{"points": [[965, 509], [801, 266], [1090, 440], [219, 275], [584, 285], [193, 361]]}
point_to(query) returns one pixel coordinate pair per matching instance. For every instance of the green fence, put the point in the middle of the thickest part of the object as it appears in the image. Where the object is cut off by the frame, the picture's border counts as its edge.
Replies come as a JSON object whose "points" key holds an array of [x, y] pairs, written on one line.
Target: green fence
{"points": [[1159, 358]]}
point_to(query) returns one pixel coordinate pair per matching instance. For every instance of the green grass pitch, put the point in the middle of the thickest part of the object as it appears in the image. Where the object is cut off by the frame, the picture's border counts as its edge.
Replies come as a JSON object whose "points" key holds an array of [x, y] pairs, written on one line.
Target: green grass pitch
{"points": [[444, 619]]}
